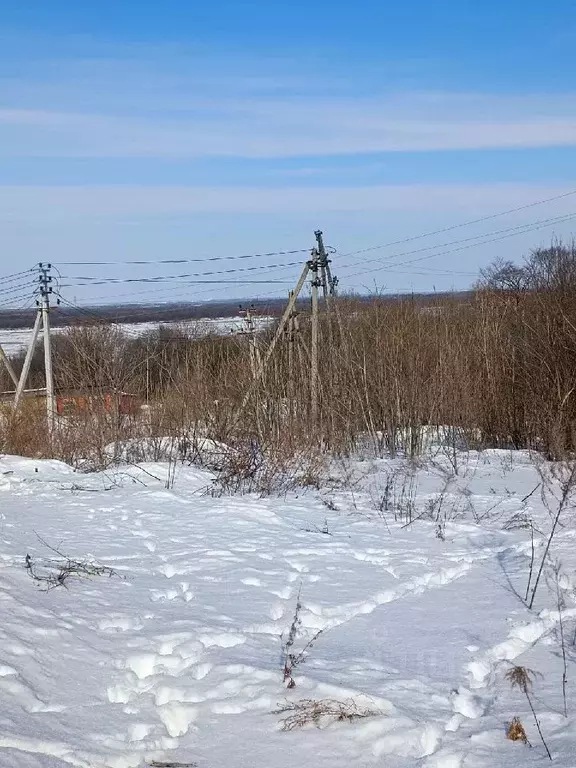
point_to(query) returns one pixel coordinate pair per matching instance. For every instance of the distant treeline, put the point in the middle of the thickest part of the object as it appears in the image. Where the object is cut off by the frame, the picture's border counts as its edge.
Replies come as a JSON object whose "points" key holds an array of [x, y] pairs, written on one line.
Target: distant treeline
{"points": [[62, 316]]}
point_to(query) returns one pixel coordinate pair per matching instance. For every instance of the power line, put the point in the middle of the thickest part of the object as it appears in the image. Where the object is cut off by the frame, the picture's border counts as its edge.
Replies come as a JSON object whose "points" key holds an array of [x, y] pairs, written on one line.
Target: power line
{"points": [[17, 276], [17, 288], [464, 247], [183, 282], [156, 291], [519, 229], [91, 280], [463, 224], [184, 261], [187, 293], [15, 299], [432, 273]]}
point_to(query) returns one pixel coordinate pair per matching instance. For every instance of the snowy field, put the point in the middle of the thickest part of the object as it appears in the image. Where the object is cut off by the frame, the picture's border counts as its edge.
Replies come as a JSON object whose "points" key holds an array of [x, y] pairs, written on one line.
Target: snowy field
{"points": [[175, 659], [13, 340]]}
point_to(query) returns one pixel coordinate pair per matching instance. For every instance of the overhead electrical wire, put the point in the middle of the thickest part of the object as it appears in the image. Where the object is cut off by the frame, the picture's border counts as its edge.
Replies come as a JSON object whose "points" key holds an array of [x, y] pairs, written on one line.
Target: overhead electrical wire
{"points": [[461, 248], [422, 235], [6, 292], [15, 300], [14, 275], [184, 261], [187, 294], [13, 293], [518, 229], [464, 223], [18, 277], [89, 279]]}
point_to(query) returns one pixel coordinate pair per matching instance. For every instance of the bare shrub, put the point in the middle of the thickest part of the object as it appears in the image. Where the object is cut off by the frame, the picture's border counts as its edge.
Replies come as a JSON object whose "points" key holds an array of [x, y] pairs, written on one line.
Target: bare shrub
{"points": [[52, 573], [291, 656], [565, 475], [321, 712], [515, 731], [523, 678], [170, 764], [555, 577]]}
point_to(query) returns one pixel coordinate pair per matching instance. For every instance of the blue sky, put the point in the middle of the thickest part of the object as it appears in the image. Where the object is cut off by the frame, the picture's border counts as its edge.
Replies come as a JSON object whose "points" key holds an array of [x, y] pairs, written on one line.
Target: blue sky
{"points": [[189, 130]]}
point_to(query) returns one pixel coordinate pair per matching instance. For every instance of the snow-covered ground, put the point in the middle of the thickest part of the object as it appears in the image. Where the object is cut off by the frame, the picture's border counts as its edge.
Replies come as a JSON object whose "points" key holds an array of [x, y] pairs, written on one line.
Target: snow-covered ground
{"points": [[177, 656], [15, 339]]}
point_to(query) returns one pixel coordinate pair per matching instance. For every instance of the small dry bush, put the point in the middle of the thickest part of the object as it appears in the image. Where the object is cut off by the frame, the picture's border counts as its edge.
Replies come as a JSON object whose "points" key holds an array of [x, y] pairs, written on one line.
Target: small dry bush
{"points": [[297, 645], [321, 712], [170, 764], [249, 466], [522, 679], [515, 731], [50, 573]]}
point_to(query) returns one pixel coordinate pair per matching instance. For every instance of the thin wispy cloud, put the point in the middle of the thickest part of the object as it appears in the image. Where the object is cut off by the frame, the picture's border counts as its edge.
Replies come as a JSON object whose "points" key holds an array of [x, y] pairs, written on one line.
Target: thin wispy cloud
{"points": [[195, 107], [49, 203], [291, 128], [111, 145]]}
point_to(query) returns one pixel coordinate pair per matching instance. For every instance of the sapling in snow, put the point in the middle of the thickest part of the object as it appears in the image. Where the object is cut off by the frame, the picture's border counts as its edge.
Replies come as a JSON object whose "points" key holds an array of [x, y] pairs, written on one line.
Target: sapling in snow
{"points": [[291, 657], [523, 678]]}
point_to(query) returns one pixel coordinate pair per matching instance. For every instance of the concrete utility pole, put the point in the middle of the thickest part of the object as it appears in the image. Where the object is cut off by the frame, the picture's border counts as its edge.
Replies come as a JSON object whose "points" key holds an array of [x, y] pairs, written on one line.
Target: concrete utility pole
{"points": [[277, 336], [315, 267], [45, 290], [290, 336], [28, 360], [249, 330], [4, 359], [329, 282], [319, 266]]}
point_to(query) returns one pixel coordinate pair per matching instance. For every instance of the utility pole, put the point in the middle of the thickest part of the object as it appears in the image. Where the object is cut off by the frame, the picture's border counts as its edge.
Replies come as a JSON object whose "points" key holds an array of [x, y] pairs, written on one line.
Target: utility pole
{"points": [[4, 359], [319, 266], [290, 338], [45, 290], [249, 330], [315, 266], [28, 360], [279, 331], [328, 281]]}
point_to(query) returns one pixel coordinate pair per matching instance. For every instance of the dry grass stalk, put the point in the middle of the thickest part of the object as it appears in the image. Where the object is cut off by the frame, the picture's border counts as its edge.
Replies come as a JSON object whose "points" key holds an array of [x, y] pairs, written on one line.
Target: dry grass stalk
{"points": [[50, 574], [523, 678], [292, 657], [321, 712], [170, 764], [515, 731]]}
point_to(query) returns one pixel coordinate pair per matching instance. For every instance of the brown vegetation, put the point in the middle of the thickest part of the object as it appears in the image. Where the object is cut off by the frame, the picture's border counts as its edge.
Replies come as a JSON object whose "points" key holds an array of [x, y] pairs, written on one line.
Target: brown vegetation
{"points": [[319, 712], [515, 731], [498, 368]]}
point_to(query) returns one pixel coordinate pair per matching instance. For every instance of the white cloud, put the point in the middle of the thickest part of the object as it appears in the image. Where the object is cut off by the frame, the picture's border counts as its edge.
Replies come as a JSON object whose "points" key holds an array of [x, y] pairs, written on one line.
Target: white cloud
{"points": [[66, 203], [273, 128]]}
